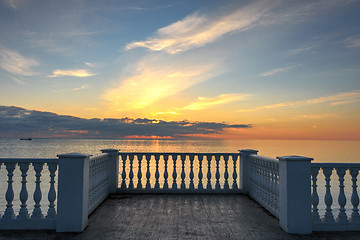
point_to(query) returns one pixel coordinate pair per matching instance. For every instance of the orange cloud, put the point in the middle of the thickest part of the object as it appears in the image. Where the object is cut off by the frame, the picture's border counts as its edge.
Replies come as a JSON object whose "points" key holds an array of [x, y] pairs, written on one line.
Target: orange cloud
{"points": [[204, 103], [72, 72], [336, 99]]}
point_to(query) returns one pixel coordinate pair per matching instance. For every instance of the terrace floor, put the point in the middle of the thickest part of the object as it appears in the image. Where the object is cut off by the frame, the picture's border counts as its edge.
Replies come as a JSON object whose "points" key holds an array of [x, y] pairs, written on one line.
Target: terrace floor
{"points": [[179, 217]]}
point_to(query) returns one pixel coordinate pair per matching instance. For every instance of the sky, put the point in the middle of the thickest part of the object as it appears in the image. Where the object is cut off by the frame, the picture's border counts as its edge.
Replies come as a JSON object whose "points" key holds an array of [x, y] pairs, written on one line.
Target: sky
{"points": [[267, 69]]}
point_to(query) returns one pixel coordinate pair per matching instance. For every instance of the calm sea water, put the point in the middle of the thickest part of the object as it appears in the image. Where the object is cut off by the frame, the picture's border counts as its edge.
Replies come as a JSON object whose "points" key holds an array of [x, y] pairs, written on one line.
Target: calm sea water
{"points": [[320, 150]]}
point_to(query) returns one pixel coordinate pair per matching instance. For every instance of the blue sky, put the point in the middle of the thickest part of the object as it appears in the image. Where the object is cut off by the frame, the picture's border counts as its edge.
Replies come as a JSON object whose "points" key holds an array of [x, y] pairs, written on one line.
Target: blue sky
{"points": [[290, 69]]}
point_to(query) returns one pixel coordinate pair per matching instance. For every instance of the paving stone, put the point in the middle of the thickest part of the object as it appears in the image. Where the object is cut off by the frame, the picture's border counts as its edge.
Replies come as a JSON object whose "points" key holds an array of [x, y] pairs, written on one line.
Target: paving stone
{"points": [[179, 217]]}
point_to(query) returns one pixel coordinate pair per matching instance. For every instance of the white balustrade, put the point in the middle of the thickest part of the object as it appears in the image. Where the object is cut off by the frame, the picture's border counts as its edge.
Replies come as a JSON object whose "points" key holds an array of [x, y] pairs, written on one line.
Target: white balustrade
{"points": [[191, 168], [98, 180], [264, 181], [347, 218], [29, 173], [286, 186]]}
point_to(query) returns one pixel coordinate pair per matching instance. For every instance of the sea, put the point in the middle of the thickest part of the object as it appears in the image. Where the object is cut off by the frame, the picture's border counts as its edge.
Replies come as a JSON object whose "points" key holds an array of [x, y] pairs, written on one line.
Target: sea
{"points": [[319, 150]]}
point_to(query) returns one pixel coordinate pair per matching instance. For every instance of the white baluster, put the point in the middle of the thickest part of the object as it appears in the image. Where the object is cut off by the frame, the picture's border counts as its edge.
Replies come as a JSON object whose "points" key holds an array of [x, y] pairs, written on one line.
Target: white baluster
{"points": [[252, 188], [52, 193], [174, 174], [355, 218], [9, 211], [191, 158], [235, 185], [200, 175], [38, 167], [23, 213], [226, 174], [157, 174], [272, 185], [267, 182], [277, 186], [131, 172], [328, 218], [217, 174], [262, 181], [258, 178], [183, 157], [208, 186], [251, 175], [148, 157], [166, 175], [123, 174], [139, 174], [342, 218], [91, 182], [315, 196]]}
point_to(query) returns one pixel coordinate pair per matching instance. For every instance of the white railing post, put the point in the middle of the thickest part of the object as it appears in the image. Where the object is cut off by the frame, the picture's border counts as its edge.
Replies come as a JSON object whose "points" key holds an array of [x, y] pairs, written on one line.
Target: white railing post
{"points": [[73, 192], [113, 167], [295, 194], [245, 168]]}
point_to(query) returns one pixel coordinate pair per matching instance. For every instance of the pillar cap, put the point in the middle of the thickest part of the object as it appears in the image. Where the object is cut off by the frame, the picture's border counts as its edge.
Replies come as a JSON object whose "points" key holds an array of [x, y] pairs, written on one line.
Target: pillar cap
{"points": [[109, 150], [294, 158], [73, 155], [249, 151]]}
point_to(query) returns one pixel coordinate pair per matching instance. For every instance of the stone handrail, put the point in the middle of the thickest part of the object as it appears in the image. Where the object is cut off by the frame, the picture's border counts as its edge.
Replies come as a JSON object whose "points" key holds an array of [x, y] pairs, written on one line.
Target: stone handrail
{"points": [[344, 172], [98, 180], [264, 182], [179, 172]]}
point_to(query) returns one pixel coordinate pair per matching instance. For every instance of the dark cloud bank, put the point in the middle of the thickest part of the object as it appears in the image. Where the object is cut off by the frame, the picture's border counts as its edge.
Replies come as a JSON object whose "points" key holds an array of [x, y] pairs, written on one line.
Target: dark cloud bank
{"points": [[20, 122]]}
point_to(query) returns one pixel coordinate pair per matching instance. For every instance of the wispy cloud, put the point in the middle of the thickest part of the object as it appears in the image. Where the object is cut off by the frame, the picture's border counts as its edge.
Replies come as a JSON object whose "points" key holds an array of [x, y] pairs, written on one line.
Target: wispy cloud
{"points": [[14, 63], [353, 42], [339, 98], [81, 88], [318, 116], [19, 81], [198, 30], [275, 71], [311, 45], [303, 49], [336, 99], [93, 65], [72, 73], [205, 103], [11, 3]]}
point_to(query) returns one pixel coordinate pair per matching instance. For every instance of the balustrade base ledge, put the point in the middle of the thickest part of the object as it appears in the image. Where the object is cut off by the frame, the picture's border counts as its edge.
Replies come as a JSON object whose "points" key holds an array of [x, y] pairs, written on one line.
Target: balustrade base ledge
{"points": [[336, 227], [28, 224], [175, 191]]}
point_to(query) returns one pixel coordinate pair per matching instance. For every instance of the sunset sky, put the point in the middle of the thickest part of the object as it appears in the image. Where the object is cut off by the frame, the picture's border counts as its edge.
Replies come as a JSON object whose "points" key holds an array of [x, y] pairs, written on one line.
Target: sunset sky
{"points": [[175, 69]]}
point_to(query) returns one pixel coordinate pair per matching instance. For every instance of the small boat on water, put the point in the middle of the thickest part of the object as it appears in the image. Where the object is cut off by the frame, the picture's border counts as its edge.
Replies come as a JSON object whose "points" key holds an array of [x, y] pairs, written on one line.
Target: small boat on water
{"points": [[29, 139]]}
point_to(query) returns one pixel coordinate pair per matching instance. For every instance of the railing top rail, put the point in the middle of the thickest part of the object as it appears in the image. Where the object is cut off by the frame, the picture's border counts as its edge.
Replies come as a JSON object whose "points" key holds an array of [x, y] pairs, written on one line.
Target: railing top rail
{"points": [[177, 153], [98, 156], [29, 160], [264, 158], [336, 165]]}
